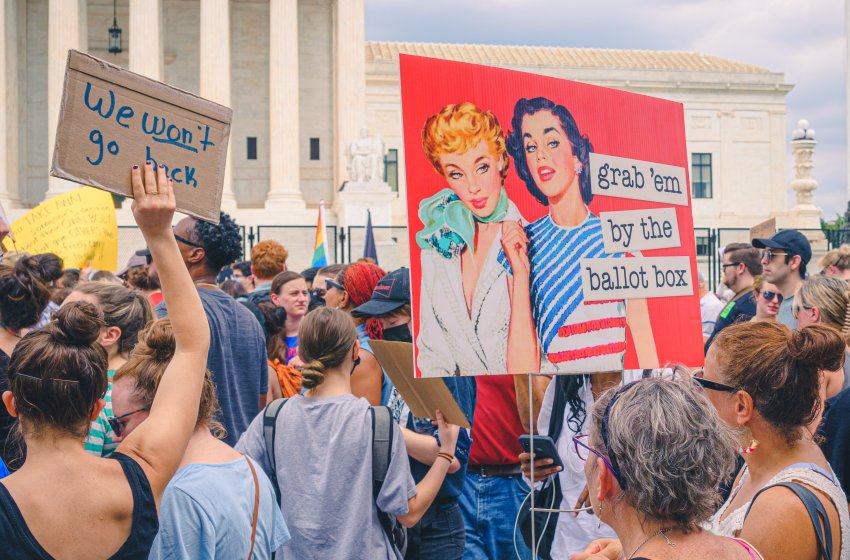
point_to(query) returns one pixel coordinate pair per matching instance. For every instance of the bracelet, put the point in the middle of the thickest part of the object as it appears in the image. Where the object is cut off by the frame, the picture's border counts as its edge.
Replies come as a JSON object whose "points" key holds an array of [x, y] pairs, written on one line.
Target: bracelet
{"points": [[447, 457]]}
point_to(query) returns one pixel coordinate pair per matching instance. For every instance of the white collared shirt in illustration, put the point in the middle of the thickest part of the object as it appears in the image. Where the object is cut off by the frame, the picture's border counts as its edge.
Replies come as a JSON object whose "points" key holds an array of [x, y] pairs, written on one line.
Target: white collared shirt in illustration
{"points": [[451, 340]]}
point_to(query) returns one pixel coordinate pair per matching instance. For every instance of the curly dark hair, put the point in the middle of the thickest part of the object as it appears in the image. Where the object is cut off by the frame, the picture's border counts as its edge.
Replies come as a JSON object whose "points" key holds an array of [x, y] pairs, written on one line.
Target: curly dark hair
{"points": [[222, 242], [579, 142]]}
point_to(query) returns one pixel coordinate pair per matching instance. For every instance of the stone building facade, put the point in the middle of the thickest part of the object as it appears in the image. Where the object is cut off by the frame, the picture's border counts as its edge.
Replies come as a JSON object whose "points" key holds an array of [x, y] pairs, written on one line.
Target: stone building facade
{"points": [[302, 81]]}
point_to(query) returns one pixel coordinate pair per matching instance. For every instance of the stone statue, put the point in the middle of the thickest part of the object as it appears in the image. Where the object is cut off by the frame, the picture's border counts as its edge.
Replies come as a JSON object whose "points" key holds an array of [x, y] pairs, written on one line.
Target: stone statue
{"points": [[366, 158], [803, 146]]}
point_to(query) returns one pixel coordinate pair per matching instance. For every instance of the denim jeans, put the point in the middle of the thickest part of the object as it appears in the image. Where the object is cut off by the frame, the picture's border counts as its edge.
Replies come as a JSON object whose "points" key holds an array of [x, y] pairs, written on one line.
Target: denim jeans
{"points": [[490, 505], [439, 535]]}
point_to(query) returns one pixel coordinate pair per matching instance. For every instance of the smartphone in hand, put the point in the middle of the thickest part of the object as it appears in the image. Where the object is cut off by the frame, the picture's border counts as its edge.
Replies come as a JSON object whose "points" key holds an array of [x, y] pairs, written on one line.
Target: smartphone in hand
{"points": [[544, 448]]}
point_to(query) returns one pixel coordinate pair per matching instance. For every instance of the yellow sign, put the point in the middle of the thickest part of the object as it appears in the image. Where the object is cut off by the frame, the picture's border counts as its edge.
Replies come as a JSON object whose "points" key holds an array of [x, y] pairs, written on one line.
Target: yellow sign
{"points": [[79, 226]]}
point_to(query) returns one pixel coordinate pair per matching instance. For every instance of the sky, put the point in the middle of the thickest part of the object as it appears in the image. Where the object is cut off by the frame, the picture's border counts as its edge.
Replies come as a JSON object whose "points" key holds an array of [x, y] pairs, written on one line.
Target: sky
{"points": [[804, 39]]}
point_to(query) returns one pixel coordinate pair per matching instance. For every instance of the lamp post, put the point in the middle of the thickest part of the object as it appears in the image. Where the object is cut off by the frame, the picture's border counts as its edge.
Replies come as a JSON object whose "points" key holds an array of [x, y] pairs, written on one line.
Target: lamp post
{"points": [[114, 32]]}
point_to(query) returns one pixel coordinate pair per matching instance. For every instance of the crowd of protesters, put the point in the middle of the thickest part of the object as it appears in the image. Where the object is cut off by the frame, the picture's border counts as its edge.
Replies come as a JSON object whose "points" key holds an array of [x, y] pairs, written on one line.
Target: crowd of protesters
{"points": [[199, 405]]}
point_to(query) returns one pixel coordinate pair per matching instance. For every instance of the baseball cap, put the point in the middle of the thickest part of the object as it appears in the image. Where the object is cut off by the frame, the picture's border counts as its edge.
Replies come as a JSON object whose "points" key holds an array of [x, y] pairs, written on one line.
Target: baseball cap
{"points": [[391, 292], [789, 240], [138, 259]]}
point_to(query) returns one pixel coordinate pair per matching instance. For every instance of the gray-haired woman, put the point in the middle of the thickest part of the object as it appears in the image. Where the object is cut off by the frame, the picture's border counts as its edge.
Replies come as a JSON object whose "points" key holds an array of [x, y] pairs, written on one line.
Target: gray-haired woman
{"points": [[654, 458]]}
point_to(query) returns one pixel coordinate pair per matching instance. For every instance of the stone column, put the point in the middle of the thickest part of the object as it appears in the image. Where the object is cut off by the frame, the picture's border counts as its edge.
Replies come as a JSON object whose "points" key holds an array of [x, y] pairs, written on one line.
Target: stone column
{"points": [[284, 139], [66, 29], [146, 38], [9, 186], [805, 215], [215, 72], [350, 80]]}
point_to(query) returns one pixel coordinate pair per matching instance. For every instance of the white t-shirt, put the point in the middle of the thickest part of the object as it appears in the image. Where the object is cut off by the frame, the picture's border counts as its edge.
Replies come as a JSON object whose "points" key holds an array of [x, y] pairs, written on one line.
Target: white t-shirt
{"points": [[572, 534], [709, 308]]}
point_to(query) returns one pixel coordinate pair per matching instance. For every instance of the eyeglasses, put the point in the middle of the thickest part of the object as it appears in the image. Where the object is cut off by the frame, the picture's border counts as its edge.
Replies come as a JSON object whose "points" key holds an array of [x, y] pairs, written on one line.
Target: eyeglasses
{"points": [[581, 449], [318, 292], [725, 266], [117, 425], [768, 255], [331, 284], [699, 377], [770, 296], [185, 241]]}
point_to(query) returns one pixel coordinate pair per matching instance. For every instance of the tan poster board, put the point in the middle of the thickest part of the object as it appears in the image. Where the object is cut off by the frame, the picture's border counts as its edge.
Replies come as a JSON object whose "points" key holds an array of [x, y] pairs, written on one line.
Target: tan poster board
{"points": [[763, 230], [423, 396], [111, 119]]}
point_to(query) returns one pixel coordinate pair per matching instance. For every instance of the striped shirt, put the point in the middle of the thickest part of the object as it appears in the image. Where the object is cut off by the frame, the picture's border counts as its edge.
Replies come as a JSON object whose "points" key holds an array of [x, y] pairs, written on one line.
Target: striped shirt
{"points": [[574, 335], [99, 441]]}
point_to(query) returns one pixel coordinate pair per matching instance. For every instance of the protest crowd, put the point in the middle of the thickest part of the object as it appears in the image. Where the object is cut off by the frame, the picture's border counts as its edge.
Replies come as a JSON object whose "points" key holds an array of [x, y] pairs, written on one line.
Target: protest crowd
{"points": [[202, 403]]}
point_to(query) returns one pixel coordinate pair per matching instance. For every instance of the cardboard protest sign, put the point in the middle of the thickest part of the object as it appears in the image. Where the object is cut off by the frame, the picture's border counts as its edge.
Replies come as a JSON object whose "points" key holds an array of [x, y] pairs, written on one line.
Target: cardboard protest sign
{"points": [[79, 226], [763, 230], [112, 119], [550, 224], [423, 396]]}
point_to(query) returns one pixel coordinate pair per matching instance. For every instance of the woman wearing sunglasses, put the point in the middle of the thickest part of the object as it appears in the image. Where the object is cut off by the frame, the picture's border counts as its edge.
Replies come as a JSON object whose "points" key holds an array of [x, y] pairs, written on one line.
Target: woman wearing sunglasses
{"points": [[764, 381], [64, 502], [654, 457], [767, 298], [208, 509]]}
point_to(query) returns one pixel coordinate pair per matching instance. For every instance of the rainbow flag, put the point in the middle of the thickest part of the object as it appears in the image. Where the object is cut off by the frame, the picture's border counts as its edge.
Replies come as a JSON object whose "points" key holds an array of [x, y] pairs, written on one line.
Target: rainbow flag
{"points": [[320, 251]]}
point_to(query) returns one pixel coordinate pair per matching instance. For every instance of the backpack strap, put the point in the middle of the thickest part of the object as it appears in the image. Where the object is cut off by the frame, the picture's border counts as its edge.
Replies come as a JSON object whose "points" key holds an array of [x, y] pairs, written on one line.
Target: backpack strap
{"points": [[382, 447], [270, 414], [559, 406], [817, 514]]}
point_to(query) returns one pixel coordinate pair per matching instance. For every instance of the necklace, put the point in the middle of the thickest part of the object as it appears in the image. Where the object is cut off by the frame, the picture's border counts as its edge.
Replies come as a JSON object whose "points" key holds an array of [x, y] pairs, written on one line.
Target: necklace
{"points": [[663, 532], [10, 331]]}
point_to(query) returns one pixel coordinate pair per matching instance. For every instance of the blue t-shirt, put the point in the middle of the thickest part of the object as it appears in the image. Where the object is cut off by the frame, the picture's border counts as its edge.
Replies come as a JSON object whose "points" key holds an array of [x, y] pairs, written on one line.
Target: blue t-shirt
{"points": [[291, 347], [206, 512], [237, 359], [464, 390]]}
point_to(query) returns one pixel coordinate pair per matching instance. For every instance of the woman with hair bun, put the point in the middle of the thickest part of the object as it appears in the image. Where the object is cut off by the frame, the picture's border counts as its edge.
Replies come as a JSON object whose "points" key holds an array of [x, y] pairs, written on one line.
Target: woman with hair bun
{"points": [[352, 287], [323, 450], [23, 298], [125, 314], [826, 300], [205, 509], [764, 381], [836, 263], [552, 329], [64, 502]]}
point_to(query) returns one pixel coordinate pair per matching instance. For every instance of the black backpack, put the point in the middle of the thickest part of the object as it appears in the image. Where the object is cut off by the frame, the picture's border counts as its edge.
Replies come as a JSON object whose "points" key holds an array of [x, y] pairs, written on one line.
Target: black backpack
{"points": [[382, 447]]}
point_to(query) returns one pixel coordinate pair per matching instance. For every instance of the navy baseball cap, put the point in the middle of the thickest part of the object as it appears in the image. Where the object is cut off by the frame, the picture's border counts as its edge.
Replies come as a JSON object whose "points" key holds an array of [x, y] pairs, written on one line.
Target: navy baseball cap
{"points": [[391, 293], [789, 240]]}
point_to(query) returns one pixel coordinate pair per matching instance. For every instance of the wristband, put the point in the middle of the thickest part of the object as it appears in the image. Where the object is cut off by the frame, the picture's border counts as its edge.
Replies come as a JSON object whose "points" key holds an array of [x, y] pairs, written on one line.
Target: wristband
{"points": [[447, 457]]}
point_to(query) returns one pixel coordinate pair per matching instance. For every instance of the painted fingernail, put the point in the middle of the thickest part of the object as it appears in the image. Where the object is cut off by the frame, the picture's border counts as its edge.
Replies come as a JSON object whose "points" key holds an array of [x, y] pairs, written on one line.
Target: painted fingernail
{"points": [[162, 166], [148, 162], [135, 167]]}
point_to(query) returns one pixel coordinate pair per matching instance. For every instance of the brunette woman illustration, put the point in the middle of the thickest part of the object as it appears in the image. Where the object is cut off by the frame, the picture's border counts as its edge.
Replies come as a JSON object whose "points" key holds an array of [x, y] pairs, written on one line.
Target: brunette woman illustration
{"points": [[464, 302], [548, 311]]}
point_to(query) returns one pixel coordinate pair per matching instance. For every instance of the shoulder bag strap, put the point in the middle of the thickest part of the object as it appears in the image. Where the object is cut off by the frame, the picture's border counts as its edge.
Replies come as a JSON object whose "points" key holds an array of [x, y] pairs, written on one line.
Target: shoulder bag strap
{"points": [[270, 414], [382, 446], [559, 405], [256, 507], [817, 514]]}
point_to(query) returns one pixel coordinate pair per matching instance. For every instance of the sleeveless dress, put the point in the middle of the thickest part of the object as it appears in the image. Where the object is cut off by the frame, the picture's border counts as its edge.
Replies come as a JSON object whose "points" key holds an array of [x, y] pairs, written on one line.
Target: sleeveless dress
{"points": [[806, 473], [754, 554], [20, 544]]}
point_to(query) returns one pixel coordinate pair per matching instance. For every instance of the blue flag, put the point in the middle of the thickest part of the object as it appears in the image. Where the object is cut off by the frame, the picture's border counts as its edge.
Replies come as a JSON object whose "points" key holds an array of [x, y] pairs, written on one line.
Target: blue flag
{"points": [[369, 249]]}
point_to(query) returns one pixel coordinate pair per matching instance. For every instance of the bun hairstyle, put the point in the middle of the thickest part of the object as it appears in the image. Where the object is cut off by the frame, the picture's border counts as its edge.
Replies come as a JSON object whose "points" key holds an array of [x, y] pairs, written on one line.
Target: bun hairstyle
{"points": [[325, 340], [147, 364], [780, 369], [839, 258], [139, 278], [58, 373], [23, 292], [580, 144], [128, 310], [51, 266]]}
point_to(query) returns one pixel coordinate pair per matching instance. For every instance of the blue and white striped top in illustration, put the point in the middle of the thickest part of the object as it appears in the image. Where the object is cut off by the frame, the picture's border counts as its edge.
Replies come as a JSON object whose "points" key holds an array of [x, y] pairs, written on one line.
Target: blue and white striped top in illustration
{"points": [[574, 335]]}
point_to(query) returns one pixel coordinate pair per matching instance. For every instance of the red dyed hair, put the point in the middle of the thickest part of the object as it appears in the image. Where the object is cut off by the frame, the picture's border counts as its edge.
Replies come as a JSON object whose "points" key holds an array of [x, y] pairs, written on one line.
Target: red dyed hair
{"points": [[360, 280]]}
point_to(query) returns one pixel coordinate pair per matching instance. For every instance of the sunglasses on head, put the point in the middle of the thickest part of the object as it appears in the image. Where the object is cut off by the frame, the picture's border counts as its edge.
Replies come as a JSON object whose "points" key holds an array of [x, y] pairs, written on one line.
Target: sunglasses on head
{"points": [[331, 284], [185, 241], [699, 377], [770, 296], [116, 423]]}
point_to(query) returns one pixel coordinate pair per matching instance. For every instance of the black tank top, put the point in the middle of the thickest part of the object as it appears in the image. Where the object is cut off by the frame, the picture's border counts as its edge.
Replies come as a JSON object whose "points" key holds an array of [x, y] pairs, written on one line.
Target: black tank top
{"points": [[20, 544]]}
